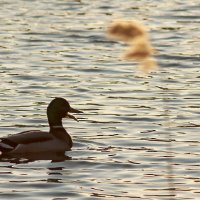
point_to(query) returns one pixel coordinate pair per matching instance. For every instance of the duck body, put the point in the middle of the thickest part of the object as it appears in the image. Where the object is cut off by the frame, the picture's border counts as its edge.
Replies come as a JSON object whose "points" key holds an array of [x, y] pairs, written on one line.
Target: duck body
{"points": [[56, 140]]}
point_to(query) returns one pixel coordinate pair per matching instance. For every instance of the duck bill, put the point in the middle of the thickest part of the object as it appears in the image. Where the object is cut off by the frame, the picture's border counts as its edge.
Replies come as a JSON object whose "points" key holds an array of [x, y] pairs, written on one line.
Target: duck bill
{"points": [[73, 110]]}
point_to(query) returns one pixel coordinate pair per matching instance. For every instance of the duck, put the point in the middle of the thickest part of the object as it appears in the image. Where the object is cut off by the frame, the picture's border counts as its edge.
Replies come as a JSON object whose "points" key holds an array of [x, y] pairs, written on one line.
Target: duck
{"points": [[36, 141]]}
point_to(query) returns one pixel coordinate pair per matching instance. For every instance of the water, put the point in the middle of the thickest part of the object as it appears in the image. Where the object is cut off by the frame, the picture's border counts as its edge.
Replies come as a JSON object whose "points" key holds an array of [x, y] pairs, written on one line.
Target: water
{"points": [[139, 135]]}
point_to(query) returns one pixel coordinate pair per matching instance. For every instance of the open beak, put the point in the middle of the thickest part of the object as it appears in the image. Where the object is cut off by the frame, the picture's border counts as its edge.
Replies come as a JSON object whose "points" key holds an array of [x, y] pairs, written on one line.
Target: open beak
{"points": [[72, 110]]}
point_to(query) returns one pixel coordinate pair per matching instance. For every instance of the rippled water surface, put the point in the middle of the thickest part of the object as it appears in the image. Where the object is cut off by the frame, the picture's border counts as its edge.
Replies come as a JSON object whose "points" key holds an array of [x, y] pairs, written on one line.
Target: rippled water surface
{"points": [[139, 135]]}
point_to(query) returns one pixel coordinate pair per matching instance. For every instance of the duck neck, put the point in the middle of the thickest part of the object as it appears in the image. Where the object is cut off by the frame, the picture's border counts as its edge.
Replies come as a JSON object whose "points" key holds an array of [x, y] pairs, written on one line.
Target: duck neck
{"points": [[55, 123]]}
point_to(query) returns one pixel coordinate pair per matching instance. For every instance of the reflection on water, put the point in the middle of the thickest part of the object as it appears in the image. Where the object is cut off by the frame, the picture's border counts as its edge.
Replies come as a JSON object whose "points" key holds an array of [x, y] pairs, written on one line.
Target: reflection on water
{"points": [[25, 158], [139, 136]]}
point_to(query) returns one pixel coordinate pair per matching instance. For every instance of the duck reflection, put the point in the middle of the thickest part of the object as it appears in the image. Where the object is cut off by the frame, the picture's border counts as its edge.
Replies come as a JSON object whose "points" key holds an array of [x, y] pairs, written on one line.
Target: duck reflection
{"points": [[55, 175], [26, 158]]}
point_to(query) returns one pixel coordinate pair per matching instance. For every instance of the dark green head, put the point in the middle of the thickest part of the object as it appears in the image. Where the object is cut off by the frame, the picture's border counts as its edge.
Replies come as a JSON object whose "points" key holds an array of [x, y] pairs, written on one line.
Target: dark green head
{"points": [[59, 108]]}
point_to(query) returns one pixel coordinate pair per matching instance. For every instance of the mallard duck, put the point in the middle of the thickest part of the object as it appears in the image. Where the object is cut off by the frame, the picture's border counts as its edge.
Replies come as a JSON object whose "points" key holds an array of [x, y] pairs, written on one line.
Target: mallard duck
{"points": [[35, 141]]}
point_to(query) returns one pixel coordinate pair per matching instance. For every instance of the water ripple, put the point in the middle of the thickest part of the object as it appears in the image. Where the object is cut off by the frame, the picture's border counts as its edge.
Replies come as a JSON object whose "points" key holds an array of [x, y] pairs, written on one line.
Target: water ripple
{"points": [[138, 137]]}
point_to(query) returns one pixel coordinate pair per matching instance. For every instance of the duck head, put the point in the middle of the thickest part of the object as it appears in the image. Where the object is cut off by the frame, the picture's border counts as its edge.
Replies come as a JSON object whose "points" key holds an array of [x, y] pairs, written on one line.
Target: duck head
{"points": [[60, 108]]}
